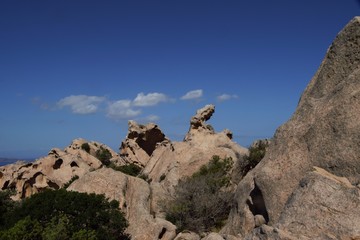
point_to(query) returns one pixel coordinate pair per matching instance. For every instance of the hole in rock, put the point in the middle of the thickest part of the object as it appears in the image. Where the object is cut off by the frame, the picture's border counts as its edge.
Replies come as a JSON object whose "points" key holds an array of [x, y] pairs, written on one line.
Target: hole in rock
{"points": [[6, 184], [149, 140], [58, 163], [163, 231], [53, 185], [74, 164], [26, 165], [257, 205]]}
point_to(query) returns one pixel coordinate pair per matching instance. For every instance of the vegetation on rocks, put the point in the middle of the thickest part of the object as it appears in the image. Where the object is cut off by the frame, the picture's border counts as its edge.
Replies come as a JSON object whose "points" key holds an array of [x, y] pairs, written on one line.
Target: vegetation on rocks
{"points": [[85, 147], [62, 215], [256, 154], [202, 201], [74, 178], [104, 155], [129, 169]]}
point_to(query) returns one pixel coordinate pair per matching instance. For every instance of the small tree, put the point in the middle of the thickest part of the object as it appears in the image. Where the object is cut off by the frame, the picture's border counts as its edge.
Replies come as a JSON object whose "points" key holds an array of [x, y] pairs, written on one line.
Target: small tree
{"points": [[70, 215], [202, 202], [130, 169], [256, 154], [85, 147], [104, 155]]}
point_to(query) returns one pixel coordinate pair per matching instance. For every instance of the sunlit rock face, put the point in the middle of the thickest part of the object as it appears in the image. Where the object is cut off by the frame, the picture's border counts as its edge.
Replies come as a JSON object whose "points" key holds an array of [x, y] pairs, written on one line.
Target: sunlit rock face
{"points": [[324, 133], [52, 171]]}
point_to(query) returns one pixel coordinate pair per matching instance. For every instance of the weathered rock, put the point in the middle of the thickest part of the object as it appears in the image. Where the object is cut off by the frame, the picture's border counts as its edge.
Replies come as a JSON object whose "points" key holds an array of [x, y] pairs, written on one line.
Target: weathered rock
{"points": [[213, 236], [170, 163], [187, 236], [323, 206], [141, 141], [197, 122], [265, 232], [323, 132], [52, 171], [94, 148], [134, 196]]}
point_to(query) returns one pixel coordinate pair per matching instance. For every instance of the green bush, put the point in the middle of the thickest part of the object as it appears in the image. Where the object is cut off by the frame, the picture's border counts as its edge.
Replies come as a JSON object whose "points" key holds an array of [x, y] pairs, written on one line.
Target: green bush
{"points": [[104, 156], [6, 206], [85, 147], [256, 154], [74, 178], [65, 215], [202, 202], [130, 169]]}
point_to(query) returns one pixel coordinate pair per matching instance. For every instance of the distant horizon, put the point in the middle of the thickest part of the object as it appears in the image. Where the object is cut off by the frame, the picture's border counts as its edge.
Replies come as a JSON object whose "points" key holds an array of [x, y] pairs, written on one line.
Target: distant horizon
{"points": [[82, 69]]}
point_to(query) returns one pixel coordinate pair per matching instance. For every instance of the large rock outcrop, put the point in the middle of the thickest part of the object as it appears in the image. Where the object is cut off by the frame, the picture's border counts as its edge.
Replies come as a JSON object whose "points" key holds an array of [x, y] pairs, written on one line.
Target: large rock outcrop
{"points": [[140, 142], [323, 132], [52, 171], [164, 164], [134, 195]]}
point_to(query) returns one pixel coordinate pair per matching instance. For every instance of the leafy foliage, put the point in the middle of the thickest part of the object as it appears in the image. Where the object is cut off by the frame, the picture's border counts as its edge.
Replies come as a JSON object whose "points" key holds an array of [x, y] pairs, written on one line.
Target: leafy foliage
{"points": [[104, 155], [74, 178], [6, 205], [85, 147], [130, 169], [65, 215], [202, 202], [256, 154]]}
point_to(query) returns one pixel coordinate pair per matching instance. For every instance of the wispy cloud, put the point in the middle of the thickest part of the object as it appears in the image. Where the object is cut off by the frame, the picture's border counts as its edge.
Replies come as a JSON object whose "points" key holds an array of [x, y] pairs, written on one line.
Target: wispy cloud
{"points": [[116, 110], [152, 118], [150, 99], [194, 94], [122, 109], [225, 97], [43, 105], [81, 104]]}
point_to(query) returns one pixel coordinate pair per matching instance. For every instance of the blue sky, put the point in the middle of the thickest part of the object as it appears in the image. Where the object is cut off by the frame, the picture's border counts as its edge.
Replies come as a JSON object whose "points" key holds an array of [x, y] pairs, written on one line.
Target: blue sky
{"points": [[72, 69]]}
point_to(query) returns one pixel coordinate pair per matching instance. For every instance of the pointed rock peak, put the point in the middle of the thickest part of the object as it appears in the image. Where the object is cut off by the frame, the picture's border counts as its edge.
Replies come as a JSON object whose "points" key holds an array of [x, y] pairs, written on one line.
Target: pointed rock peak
{"points": [[197, 122], [202, 115], [341, 60]]}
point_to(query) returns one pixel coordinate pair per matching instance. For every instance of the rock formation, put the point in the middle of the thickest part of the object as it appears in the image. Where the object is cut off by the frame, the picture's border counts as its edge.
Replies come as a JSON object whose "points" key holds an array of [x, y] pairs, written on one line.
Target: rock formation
{"points": [[141, 141], [323, 132], [197, 122], [164, 163], [134, 195], [52, 171]]}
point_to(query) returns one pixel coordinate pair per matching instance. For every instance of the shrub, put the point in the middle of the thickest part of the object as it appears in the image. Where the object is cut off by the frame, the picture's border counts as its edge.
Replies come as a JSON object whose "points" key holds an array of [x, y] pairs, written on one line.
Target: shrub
{"points": [[256, 154], [130, 169], [66, 185], [104, 156], [85, 147], [65, 215], [202, 202], [6, 206]]}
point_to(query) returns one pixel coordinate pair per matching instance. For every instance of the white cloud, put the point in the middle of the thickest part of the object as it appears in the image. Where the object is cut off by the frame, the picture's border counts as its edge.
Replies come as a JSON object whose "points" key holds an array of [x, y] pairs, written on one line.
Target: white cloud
{"points": [[122, 110], [81, 104], [152, 118], [194, 94], [150, 99], [225, 97]]}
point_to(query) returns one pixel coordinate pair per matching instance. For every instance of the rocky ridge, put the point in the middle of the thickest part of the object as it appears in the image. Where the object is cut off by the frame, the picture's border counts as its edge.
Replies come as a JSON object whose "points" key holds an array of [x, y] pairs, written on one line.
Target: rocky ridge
{"points": [[163, 164]]}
